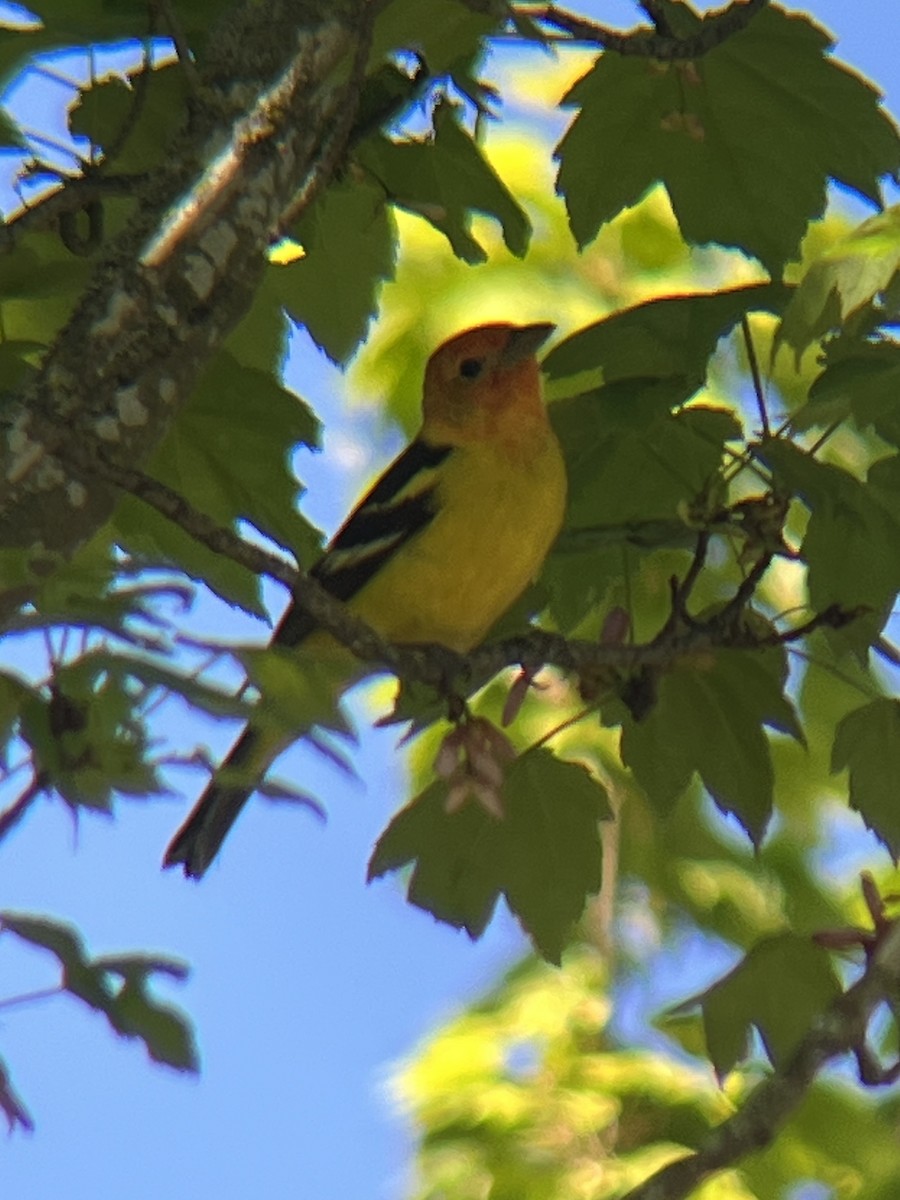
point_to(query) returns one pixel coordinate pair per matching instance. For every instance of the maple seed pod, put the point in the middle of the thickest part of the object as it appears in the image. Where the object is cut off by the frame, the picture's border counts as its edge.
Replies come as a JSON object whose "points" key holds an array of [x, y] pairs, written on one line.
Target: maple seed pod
{"points": [[516, 696], [447, 758]]}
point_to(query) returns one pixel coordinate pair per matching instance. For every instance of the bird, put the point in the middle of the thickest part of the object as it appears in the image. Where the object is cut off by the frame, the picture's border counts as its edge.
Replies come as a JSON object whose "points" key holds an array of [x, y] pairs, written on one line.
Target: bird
{"points": [[437, 550]]}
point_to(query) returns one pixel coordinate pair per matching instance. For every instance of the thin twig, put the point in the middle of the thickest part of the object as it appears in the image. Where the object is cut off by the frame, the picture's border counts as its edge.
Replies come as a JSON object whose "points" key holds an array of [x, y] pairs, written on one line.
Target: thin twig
{"points": [[30, 997], [841, 1030], [139, 81], [16, 811], [715, 28], [757, 378], [179, 41], [656, 11], [824, 436], [693, 572], [738, 602], [72, 196], [833, 617], [680, 590], [568, 723], [887, 650]]}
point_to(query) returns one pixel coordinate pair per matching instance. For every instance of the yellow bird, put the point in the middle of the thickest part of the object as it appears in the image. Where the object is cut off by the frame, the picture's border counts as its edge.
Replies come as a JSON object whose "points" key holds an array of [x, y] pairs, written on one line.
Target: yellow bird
{"points": [[442, 544]]}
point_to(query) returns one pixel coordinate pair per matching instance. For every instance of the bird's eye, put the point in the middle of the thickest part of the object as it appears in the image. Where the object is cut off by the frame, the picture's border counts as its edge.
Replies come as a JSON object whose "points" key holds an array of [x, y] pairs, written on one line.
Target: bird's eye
{"points": [[470, 368]]}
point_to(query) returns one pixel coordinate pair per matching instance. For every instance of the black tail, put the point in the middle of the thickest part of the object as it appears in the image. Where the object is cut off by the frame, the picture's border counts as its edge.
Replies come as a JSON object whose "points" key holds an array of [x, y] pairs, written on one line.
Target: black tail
{"points": [[200, 838]]}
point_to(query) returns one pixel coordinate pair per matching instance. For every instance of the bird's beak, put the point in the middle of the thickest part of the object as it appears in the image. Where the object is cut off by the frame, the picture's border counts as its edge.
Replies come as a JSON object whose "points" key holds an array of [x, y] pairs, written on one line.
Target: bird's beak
{"points": [[524, 341]]}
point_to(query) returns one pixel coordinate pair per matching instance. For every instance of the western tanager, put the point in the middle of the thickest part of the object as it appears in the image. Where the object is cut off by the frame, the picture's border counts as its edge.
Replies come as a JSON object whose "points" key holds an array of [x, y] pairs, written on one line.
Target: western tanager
{"points": [[439, 547]]}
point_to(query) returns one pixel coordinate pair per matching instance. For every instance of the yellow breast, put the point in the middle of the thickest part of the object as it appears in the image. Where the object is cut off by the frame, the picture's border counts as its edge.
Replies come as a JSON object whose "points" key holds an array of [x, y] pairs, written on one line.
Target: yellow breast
{"points": [[498, 514]]}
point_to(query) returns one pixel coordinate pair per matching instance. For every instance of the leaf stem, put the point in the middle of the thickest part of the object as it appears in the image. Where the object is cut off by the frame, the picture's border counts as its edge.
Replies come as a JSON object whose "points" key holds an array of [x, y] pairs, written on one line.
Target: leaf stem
{"points": [[823, 437], [30, 997], [566, 724]]}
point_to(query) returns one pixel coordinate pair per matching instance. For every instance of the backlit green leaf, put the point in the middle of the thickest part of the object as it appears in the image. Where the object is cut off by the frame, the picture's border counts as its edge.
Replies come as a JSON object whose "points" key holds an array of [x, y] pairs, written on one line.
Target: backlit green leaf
{"points": [[544, 854], [668, 338], [846, 278], [867, 741], [745, 138], [447, 179], [780, 988], [708, 717], [349, 243]]}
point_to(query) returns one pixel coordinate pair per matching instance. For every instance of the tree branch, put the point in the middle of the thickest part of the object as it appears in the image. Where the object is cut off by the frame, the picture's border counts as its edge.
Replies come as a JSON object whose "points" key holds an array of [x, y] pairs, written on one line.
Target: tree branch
{"points": [[336, 140], [72, 197], [656, 11], [173, 28], [91, 463], [435, 665], [716, 27], [174, 284], [842, 1030]]}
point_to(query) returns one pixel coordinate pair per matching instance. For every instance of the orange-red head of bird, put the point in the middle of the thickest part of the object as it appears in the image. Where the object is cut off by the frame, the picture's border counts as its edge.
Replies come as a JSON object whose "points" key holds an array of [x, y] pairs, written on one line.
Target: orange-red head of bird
{"points": [[484, 384]]}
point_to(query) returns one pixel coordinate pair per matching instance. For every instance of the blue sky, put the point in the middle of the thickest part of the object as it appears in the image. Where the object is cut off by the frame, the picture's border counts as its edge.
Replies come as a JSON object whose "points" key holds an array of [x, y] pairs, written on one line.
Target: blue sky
{"points": [[306, 985]]}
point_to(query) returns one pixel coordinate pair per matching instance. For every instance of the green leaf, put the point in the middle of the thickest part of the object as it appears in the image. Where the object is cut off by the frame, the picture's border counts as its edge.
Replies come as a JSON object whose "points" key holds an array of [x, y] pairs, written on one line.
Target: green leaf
{"points": [[155, 540], [709, 718], [228, 454], [13, 1109], [350, 248], [301, 688], [847, 277], [685, 1029], [60, 939], [669, 338], [836, 1134], [87, 591], [445, 180], [17, 361], [147, 108], [11, 135], [117, 986], [618, 435], [62, 24], [39, 284], [229, 450], [85, 577], [582, 580], [451, 32], [456, 876], [12, 692], [611, 438], [79, 975], [87, 736], [237, 401], [136, 1013], [544, 855], [852, 541], [16, 568], [864, 385], [744, 138], [781, 988], [867, 742], [260, 338], [552, 851], [155, 674]]}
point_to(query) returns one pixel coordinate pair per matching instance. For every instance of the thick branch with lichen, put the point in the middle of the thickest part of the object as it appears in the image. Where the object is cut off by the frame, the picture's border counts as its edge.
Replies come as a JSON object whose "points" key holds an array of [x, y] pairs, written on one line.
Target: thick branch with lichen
{"points": [[278, 80]]}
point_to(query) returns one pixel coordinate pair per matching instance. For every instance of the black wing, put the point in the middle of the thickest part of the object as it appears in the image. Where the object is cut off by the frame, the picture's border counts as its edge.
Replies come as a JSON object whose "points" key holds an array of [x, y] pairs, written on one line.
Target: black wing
{"points": [[395, 508]]}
